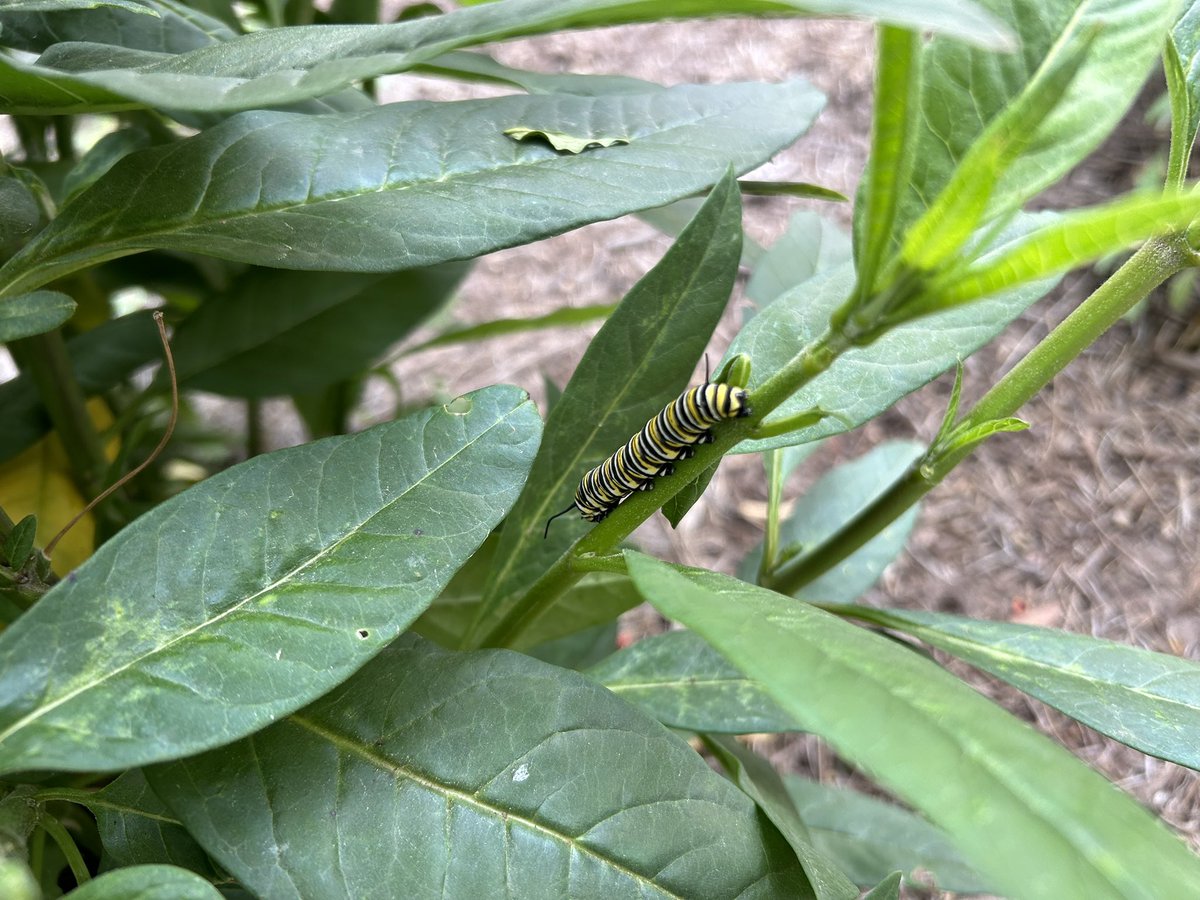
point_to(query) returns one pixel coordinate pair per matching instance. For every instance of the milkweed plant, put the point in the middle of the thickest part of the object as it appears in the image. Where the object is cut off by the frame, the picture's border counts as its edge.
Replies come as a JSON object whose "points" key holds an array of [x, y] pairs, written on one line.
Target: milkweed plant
{"points": [[362, 667]]}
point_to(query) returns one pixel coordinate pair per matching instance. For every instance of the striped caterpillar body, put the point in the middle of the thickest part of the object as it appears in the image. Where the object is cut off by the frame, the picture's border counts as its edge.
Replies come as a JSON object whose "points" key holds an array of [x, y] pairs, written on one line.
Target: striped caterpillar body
{"points": [[669, 436]]}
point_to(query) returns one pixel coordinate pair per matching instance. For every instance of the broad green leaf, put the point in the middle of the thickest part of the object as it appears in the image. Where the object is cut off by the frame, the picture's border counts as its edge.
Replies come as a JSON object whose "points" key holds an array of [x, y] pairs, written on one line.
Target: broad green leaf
{"points": [[136, 828], [275, 332], [339, 192], [837, 497], [964, 88], [684, 683], [762, 784], [147, 883], [581, 649], [99, 358], [105, 154], [259, 589], [678, 506], [30, 314], [1077, 237], [25, 6], [473, 66], [565, 143], [640, 359], [1150, 701], [484, 774], [596, 599], [888, 889], [810, 245], [278, 66], [1032, 818], [868, 838], [567, 315], [20, 213], [674, 217], [863, 382], [163, 26]]}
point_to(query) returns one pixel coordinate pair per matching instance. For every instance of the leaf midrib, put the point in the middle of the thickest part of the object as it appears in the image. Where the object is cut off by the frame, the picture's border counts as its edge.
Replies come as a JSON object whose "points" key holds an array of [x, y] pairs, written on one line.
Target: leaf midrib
{"points": [[350, 745], [42, 711]]}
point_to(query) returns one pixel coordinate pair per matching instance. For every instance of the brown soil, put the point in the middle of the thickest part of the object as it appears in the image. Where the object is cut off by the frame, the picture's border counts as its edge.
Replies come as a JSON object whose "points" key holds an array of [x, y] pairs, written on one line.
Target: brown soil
{"points": [[1089, 521]]}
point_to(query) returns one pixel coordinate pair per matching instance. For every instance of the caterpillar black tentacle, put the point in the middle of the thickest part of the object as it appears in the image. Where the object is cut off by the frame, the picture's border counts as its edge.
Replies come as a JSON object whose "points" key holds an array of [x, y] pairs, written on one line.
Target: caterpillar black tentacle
{"points": [[668, 437]]}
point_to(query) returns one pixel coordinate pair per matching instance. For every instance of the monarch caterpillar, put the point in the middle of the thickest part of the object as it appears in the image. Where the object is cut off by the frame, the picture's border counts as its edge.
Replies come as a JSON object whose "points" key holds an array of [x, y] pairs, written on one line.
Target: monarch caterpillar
{"points": [[669, 436]]}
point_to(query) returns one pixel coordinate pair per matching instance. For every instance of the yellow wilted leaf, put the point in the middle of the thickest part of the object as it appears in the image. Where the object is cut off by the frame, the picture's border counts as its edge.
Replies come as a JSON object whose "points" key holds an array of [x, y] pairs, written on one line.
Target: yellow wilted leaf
{"points": [[38, 481]]}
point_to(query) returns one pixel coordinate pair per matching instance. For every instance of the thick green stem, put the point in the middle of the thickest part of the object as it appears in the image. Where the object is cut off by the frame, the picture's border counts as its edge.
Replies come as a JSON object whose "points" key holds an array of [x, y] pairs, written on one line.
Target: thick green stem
{"points": [[66, 844], [1153, 264], [604, 538], [44, 358]]}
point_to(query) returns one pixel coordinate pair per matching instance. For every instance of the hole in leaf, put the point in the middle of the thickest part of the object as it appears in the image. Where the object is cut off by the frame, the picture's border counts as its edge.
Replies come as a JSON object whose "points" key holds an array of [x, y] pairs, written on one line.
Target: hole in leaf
{"points": [[459, 406], [363, 634]]}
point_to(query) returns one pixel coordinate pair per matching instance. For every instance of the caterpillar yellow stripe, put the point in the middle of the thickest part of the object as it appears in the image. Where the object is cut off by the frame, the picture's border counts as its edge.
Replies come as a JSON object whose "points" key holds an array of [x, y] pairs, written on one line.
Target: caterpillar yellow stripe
{"points": [[669, 436]]}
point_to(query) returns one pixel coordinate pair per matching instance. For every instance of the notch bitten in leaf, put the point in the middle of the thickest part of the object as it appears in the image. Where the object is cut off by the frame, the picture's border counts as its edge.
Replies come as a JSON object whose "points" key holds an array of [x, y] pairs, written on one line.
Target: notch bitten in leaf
{"points": [[562, 142]]}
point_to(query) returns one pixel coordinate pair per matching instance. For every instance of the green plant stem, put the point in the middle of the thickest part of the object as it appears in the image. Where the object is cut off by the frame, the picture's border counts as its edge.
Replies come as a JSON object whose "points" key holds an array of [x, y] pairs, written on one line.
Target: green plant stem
{"points": [[770, 552], [44, 357], [66, 844], [604, 538], [1150, 266]]}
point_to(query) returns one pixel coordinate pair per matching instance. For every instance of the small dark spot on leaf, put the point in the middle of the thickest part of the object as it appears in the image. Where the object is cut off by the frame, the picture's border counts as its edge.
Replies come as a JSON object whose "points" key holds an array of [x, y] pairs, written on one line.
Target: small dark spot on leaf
{"points": [[418, 531], [363, 634]]}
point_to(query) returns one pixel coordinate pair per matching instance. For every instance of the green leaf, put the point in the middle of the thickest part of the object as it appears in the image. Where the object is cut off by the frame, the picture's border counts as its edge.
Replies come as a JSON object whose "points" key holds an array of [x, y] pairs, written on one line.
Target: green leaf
{"points": [[640, 359], [1077, 237], [278, 66], [964, 89], [863, 382], [674, 217], [684, 683], [567, 315], [105, 154], [259, 589], [868, 838], [1033, 818], [677, 507], [36, 313], [581, 649], [1185, 40], [572, 793], [1183, 121], [889, 167], [888, 889], [274, 332], [137, 828], [26, 6], [479, 67], [147, 883], [100, 358], [837, 497], [810, 245], [596, 599], [19, 544], [762, 784], [566, 143], [162, 26], [21, 214], [339, 192], [1150, 701]]}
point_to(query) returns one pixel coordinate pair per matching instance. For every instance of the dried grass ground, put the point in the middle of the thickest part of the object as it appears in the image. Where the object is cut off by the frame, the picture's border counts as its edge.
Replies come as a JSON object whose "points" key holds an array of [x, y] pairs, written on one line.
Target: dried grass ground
{"points": [[1089, 521]]}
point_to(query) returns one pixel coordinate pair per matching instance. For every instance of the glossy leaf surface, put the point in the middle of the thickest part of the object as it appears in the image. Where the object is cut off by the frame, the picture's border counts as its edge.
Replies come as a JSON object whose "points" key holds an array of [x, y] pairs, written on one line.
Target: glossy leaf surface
{"points": [[384, 788], [259, 589], [1147, 700], [340, 192], [1034, 819]]}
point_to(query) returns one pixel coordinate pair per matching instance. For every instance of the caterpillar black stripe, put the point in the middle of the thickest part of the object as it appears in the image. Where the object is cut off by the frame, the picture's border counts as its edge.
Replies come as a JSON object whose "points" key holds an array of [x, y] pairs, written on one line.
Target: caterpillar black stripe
{"points": [[669, 436]]}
